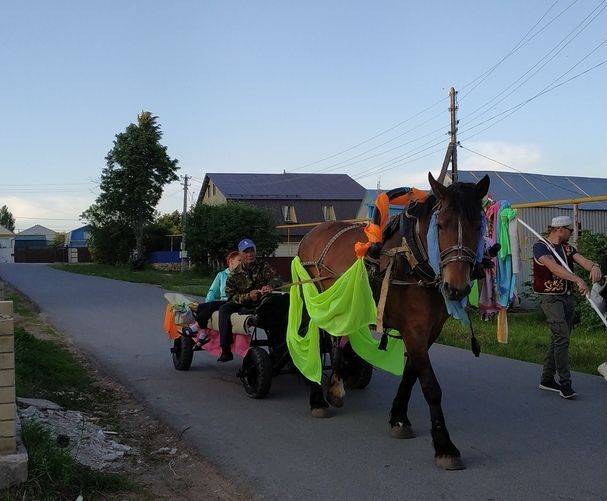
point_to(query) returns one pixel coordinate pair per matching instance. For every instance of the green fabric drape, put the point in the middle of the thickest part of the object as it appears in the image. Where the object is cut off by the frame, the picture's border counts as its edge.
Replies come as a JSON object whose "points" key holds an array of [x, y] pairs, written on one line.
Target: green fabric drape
{"points": [[345, 309]]}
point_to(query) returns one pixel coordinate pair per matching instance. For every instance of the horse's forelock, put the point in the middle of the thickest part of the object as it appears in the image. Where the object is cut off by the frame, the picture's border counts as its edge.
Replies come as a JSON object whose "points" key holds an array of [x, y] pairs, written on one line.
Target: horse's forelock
{"points": [[462, 198]]}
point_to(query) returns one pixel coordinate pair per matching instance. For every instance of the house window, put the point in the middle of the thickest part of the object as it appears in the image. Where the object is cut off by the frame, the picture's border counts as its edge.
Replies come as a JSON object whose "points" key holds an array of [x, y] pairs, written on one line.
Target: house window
{"points": [[328, 212], [288, 214], [214, 190]]}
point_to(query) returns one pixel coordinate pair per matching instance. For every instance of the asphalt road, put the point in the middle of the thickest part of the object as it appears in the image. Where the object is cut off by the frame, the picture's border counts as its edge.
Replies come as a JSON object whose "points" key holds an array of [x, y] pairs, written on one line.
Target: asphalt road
{"points": [[518, 442]]}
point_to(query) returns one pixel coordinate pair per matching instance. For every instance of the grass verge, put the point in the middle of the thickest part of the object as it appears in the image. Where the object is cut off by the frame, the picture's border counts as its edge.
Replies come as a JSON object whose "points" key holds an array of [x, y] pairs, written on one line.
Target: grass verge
{"points": [[188, 282], [46, 369], [528, 338]]}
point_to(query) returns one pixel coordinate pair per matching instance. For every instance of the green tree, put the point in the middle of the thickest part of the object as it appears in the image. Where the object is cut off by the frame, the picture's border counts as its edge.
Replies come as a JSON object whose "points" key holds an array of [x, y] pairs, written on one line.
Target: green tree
{"points": [[59, 240], [215, 230], [138, 168], [6, 218], [155, 237], [111, 239]]}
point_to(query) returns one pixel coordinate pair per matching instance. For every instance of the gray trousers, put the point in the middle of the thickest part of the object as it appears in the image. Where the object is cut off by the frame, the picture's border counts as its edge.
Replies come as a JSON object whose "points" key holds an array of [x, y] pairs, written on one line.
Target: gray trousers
{"points": [[559, 311]]}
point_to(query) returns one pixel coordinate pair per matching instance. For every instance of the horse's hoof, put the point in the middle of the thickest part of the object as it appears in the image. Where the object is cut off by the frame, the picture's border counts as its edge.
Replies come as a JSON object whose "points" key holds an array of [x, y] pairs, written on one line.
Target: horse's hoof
{"points": [[334, 400], [449, 463], [402, 431], [320, 412]]}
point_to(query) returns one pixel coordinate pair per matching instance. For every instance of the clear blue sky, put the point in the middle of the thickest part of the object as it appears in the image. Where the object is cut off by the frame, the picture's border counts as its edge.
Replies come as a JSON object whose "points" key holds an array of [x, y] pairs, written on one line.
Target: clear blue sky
{"points": [[267, 86]]}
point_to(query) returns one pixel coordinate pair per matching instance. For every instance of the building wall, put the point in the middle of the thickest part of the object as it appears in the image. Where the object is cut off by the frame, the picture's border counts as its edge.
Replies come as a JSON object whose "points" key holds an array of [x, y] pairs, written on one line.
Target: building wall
{"points": [[213, 196]]}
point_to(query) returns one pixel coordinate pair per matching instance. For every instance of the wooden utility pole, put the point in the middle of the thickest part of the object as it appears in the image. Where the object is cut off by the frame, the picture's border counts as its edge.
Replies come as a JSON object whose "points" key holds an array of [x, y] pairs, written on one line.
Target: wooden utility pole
{"points": [[453, 133], [184, 253], [451, 155]]}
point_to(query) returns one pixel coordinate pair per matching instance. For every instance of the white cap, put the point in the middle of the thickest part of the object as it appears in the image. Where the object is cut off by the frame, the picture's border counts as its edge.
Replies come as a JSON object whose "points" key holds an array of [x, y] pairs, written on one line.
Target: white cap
{"points": [[559, 221]]}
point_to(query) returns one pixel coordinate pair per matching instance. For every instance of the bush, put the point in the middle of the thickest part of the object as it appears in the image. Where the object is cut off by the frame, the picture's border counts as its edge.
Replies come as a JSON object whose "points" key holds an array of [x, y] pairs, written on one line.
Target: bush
{"points": [[594, 247]]}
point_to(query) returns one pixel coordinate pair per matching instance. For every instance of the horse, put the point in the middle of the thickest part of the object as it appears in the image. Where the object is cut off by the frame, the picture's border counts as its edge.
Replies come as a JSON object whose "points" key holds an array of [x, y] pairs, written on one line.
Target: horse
{"points": [[415, 307]]}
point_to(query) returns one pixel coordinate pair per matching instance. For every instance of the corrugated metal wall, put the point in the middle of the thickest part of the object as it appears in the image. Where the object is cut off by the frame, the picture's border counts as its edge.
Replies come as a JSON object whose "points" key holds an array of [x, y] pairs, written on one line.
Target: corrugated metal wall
{"points": [[539, 218]]}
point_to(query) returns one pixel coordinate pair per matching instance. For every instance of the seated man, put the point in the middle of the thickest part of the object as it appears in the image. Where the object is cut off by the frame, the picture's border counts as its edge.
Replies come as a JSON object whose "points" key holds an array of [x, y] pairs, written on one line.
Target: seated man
{"points": [[246, 285]]}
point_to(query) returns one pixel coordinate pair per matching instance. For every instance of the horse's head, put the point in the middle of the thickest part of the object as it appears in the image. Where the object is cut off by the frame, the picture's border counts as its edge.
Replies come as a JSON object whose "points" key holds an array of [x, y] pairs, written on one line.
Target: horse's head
{"points": [[458, 224]]}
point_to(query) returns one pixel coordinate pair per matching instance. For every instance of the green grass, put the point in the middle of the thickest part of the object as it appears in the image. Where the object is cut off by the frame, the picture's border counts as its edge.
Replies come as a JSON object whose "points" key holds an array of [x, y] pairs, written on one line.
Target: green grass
{"points": [[54, 475], [528, 338], [45, 369], [188, 282]]}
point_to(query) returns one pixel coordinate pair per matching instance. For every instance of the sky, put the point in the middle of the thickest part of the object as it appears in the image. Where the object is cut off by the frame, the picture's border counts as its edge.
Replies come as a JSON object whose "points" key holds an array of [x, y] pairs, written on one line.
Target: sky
{"points": [[349, 86]]}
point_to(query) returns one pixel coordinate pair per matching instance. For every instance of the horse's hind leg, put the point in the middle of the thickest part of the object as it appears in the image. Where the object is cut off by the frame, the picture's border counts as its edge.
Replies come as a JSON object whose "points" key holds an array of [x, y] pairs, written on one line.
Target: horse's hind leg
{"points": [[446, 455], [336, 391], [399, 422]]}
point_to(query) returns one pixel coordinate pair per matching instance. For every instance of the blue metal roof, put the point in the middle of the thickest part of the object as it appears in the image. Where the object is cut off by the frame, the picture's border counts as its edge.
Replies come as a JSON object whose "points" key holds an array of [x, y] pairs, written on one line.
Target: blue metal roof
{"points": [[284, 186], [524, 188]]}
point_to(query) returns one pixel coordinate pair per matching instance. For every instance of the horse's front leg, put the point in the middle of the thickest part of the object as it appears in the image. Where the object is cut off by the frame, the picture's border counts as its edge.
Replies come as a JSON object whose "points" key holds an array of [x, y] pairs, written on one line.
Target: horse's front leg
{"points": [[319, 407], [399, 422], [446, 455]]}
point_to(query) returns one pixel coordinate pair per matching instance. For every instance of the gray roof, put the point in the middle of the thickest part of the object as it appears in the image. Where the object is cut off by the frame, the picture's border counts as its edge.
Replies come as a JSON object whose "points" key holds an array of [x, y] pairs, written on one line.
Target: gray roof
{"points": [[37, 230], [236, 186], [523, 188], [5, 232]]}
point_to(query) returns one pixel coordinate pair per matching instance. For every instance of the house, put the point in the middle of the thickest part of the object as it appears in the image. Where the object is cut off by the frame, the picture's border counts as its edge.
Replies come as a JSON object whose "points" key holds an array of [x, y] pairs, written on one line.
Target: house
{"points": [[7, 245], [36, 237], [293, 199], [368, 205], [78, 237], [524, 188]]}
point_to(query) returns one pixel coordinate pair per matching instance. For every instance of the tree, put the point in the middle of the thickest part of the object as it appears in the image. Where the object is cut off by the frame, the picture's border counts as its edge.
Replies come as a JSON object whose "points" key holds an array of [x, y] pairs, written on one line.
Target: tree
{"points": [[215, 230], [6, 218], [138, 168], [155, 237]]}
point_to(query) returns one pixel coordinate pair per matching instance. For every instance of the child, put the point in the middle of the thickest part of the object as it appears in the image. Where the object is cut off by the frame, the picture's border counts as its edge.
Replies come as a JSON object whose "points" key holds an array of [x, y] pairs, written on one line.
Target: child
{"points": [[216, 296]]}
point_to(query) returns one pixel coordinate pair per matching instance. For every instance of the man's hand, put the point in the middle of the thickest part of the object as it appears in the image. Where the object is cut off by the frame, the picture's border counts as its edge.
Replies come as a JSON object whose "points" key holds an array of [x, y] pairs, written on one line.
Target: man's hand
{"points": [[596, 273], [266, 289], [254, 294], [583, 287]]}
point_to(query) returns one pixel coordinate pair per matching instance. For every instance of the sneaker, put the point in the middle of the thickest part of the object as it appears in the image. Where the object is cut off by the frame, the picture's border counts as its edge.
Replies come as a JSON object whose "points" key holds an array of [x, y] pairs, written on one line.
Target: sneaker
{"points": [[550, 386], [602, 370], [567, 391]]}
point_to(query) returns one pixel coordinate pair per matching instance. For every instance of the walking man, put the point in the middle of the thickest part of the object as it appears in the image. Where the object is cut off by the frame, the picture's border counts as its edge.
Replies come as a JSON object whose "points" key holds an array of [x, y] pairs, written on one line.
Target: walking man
{"points": [[554, 285]]}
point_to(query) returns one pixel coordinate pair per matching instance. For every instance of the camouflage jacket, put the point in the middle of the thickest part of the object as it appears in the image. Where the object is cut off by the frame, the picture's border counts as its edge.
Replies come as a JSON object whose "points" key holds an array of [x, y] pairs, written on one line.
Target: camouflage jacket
{"points": [[243, 280]]}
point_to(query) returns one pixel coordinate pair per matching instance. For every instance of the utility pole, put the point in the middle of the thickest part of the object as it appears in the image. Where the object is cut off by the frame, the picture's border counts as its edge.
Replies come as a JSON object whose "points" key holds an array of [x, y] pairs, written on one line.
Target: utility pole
{"points": [[184, 253], [451, 155], [453, 133]]}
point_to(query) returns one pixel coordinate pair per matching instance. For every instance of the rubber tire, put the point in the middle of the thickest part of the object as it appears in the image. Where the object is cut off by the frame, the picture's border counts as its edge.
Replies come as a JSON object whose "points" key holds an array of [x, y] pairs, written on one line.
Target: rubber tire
{"points": [[357, 372], [183, 353], [257, 372]]}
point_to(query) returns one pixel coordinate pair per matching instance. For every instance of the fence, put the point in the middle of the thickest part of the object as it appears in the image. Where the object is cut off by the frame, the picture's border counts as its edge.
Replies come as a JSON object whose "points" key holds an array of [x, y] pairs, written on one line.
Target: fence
{"points": [[51, 255]]}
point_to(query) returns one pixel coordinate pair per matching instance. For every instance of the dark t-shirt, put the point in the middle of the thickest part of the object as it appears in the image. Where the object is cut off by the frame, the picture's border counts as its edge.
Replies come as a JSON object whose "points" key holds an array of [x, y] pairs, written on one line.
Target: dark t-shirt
{"points": [[541, 249]]}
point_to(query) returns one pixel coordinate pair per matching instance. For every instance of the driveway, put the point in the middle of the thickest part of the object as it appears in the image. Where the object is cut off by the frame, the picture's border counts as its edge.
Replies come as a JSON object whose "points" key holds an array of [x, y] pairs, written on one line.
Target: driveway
{"points": [[518, 442]]}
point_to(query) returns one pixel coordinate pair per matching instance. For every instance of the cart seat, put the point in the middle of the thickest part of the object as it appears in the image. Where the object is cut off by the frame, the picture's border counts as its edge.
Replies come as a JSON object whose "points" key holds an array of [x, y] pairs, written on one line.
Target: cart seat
{"points": [[240, 322]]}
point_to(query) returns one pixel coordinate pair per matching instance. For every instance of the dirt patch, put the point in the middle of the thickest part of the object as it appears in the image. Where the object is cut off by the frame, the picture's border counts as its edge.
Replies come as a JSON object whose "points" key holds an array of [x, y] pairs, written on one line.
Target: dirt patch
{"points": [[157, 459]]}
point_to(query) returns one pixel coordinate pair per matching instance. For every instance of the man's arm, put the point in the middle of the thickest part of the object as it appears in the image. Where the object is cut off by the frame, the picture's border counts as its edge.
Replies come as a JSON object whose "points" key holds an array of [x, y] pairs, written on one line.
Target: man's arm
{"points": [[234, 291], [271, 279], [593, 268], [549, 262]]}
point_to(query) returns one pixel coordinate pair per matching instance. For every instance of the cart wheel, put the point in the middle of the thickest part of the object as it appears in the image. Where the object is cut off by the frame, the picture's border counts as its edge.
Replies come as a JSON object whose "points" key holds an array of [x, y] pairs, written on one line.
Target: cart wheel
{"points": [[357, 372], [183, 353], [256, 372]]}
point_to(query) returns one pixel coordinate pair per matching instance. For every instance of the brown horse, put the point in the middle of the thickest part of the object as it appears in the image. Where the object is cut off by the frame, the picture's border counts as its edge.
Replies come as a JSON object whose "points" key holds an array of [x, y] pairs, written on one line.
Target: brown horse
{"points": [[414, 306]]}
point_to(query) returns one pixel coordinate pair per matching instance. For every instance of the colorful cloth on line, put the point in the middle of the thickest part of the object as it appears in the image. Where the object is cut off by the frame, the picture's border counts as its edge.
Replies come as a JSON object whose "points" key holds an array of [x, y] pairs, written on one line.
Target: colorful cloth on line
{"points": [[347, 308]]}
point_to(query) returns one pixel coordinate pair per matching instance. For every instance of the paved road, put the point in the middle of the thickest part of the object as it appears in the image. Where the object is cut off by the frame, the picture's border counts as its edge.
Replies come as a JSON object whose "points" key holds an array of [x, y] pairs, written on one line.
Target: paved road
{"points": [[518, 442]]}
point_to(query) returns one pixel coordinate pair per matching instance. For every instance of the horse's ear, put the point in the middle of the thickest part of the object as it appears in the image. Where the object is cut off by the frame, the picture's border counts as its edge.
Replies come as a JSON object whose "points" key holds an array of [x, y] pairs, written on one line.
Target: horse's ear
{"points": [[482, 187], [438, 189]]}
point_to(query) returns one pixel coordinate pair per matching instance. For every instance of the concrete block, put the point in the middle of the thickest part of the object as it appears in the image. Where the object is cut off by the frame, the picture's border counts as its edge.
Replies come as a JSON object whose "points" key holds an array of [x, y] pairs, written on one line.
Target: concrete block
{"points": [[8, 445], [7, 377], [7, 360], [6, 325], [7, 344], [6, 308], [8, 428], [7, 411], [13, 466], [7, 394]]}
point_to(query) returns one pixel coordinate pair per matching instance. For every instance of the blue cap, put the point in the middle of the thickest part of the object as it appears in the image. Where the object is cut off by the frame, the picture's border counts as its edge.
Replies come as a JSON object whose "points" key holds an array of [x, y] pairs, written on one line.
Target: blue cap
{"points": [[246, 243]]}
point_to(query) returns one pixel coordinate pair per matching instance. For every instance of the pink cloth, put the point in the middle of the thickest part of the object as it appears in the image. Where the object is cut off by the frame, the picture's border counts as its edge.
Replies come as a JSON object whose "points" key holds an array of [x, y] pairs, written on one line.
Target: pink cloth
{"points": [[240, 345]]}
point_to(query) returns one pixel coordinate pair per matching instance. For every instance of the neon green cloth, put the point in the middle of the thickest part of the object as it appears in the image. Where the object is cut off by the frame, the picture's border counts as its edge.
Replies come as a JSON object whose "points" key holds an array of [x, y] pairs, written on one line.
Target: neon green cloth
{"points": [[345, 309]]}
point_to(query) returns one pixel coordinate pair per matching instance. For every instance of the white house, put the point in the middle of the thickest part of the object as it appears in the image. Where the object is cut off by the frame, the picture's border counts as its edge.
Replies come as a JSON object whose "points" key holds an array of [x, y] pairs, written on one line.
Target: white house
{"points": [[7, 245]]}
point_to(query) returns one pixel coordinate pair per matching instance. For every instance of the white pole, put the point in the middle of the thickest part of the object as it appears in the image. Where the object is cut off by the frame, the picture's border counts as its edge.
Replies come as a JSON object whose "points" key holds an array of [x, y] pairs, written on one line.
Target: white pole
{"points": [[563, 262]]}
